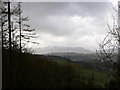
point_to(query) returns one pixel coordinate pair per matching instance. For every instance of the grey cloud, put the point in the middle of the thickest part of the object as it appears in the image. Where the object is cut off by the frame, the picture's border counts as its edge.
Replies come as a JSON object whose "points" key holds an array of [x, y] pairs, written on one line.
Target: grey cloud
{"points": [[45, 9], [64, 26], [55, 25], [66, 8], [55, 19], [40, 14], [92, 9]]}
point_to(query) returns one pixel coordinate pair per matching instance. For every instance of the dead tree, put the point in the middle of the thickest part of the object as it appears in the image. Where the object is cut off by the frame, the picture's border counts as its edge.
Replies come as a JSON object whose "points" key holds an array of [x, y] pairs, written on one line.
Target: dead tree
{"points": [[16, 34], [109, 48]]}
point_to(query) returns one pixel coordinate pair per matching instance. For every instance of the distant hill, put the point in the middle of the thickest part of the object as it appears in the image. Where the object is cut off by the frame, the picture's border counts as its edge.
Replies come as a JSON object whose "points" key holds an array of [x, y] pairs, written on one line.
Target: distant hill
{"points": [[75, 56], [87, 61], [54, 49], [53, 57]]}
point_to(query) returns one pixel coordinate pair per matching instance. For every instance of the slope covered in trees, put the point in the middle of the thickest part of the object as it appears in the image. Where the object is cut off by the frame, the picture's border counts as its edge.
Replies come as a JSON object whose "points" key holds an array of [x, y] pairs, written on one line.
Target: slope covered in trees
{"points": [[41, 72]]}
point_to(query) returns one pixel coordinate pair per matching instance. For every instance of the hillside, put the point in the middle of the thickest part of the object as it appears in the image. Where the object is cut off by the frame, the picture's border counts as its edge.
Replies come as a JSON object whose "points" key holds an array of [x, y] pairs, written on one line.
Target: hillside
{"points": [[40, 71], [75, 56], [87, 62]]}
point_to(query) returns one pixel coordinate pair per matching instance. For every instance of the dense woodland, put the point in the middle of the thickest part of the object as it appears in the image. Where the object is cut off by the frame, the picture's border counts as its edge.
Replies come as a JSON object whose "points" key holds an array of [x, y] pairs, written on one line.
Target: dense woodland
{"points": [[23, 69], [37, 71]]}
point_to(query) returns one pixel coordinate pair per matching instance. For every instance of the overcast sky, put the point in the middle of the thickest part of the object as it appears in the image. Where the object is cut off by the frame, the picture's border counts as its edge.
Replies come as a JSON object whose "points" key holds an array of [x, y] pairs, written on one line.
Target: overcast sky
{"points": [[69, 23]]}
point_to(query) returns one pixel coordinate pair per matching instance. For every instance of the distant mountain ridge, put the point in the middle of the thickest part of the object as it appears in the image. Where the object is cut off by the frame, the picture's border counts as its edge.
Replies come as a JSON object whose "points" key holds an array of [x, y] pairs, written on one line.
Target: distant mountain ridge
{"points": [[55, 49], [75, 56]]}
